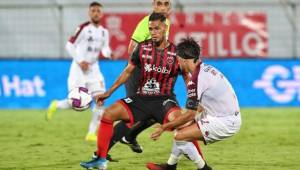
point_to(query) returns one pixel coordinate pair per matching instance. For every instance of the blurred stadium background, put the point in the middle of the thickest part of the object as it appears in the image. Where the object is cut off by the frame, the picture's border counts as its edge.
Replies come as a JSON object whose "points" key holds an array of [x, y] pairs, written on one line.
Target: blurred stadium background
{"points": [[255, 39], [255, 43]]}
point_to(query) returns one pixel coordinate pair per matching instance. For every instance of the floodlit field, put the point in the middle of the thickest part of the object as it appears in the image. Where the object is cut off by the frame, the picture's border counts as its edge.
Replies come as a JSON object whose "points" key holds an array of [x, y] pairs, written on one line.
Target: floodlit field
{"points": [[269, 140]]}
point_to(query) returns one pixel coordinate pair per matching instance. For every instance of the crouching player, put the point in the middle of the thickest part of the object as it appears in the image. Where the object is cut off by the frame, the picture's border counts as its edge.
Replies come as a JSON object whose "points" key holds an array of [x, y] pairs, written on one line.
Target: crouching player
{"points": [[209, 90]]}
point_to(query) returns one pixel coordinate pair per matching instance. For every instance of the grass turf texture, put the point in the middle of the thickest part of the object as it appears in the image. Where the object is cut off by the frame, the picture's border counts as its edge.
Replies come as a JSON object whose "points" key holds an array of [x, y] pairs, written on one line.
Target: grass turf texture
{"points": [[269, 139]]}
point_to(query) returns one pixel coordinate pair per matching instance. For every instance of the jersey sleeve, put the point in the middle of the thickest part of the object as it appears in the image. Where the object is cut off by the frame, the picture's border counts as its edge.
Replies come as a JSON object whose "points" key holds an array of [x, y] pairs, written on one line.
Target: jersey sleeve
{"points": [[106, 51], [72, 44], [192, 100], [74, 40], [135, 58], [206, 79], [78, 36], [202, 84], [141, 32]]}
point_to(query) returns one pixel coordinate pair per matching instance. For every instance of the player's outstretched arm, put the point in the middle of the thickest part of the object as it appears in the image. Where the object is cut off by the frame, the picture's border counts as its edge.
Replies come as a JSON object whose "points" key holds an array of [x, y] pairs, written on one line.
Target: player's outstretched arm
{"points": [[131, 46], [177, 122], [120, 80]]}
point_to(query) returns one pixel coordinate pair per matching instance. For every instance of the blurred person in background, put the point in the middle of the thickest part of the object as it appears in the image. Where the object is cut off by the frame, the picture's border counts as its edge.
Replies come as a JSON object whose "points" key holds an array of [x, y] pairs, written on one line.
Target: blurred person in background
{"points": [[213, 112], [84, 47]]}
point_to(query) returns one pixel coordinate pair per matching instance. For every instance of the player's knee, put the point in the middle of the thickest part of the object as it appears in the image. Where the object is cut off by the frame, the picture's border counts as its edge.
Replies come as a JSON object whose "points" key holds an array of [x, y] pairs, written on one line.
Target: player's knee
{"points": [[107, 115], [178, 136], [181, 136]]}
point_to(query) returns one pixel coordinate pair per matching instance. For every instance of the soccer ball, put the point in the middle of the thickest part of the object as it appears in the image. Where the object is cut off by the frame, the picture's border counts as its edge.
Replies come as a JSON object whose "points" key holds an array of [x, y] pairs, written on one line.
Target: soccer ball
{"points": [[79, 98]]}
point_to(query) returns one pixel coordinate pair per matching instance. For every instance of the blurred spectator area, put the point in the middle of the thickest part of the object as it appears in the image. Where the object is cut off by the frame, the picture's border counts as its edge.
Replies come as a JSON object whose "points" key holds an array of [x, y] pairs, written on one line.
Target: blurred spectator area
{"points": [[39, 29]]}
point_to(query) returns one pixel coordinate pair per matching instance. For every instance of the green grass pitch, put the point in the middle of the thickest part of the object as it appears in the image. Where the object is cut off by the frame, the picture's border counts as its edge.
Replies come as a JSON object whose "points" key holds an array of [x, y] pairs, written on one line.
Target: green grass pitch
{"points": [[269, 140]]}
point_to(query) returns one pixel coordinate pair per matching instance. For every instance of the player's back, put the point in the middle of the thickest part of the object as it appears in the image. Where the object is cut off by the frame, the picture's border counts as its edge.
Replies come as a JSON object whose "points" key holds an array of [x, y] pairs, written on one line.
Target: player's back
{"points": [[215, 92]]}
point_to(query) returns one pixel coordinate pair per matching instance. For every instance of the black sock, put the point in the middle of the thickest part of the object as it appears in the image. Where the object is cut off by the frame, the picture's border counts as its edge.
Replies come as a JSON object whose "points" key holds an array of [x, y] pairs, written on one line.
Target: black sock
{"points": [[137, 128], [120, 129], [172, 167]]}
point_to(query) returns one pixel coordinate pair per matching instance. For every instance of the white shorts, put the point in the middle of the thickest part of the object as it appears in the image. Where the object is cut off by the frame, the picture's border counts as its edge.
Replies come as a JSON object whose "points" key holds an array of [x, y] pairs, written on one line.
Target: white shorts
{"points": [[92, 79], [218, 128]]}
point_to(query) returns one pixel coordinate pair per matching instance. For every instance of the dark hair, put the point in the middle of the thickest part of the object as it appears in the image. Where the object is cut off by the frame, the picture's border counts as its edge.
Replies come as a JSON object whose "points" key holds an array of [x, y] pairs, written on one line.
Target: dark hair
{"points": [[95, 4], [188, 48], [157, 16]]}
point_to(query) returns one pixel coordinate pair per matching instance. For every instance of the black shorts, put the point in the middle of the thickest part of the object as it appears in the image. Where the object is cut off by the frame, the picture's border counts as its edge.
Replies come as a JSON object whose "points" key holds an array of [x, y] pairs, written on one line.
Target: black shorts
{"points": [[132, 84], [142, 108]]}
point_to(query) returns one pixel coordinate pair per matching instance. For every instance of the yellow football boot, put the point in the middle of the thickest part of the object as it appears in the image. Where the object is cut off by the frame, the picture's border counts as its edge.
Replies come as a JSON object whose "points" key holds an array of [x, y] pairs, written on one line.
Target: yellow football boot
{"points": [[51, 110]]}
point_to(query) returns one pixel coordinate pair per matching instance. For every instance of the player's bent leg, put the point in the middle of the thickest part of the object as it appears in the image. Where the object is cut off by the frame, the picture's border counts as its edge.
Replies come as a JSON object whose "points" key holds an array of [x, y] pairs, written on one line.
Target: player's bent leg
{"points": [[113, 113], [138, 127], [130, 138], [190, 149], [116, 112], [173, 115], [120, 129], [172, 162], [51, 109], [63, 104], [189, 133], [56, 104]]}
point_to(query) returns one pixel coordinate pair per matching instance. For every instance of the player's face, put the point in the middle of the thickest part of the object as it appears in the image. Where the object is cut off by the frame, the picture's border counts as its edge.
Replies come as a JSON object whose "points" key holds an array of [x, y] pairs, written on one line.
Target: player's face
{"points": [[157, 30], [182, 63], [162, 6], [95, 13], [185, 64]]}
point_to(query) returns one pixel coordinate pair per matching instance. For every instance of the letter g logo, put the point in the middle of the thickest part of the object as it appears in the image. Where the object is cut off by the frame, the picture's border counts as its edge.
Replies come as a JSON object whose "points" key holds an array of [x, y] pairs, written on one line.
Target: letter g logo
{"points": [[280, 83]]}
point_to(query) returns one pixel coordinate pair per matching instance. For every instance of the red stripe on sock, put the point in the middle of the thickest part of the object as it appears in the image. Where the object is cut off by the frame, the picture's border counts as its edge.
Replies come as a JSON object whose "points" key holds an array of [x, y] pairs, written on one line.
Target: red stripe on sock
{"points": [[105, 132], [195, 142]]}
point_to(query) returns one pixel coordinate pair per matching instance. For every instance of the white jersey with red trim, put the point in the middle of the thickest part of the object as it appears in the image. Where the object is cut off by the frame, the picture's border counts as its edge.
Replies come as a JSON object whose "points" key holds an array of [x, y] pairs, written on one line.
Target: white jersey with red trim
{"points": [[214, 92], [87, 43]]}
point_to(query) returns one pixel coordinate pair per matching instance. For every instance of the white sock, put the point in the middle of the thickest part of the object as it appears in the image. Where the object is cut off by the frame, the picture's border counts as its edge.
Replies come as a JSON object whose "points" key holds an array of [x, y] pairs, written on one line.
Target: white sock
{"points": [[189, 149], [95, 121], [173, 159], [175, 155], [63, 104]]}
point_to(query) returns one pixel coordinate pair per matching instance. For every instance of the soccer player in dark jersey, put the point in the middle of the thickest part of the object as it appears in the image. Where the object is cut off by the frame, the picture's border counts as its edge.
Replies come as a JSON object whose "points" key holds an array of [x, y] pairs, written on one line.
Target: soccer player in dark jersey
{"points": [[154, 100], [140, 34]]}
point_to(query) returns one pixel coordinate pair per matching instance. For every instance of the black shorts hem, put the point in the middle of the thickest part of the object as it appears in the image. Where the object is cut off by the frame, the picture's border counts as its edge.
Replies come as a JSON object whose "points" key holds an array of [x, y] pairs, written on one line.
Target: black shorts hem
{"points": [[131, 118]]}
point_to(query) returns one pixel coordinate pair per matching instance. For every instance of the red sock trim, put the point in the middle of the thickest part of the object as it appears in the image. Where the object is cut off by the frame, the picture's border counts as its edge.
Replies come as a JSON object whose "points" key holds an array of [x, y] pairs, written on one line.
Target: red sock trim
{"points": [[103, 120], [105, 132], [201, 132], [195, 142]]}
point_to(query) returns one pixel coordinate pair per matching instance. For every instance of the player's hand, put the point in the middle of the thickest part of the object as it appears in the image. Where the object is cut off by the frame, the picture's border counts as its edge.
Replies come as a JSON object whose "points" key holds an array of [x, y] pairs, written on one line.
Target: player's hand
{"points": [[101, 97], [114, 56], [84, 65], [156, 134]]}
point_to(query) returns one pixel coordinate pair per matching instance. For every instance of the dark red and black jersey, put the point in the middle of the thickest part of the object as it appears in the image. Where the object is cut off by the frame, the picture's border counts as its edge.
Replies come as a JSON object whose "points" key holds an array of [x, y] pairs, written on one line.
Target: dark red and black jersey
{"points": [[159, 68]]}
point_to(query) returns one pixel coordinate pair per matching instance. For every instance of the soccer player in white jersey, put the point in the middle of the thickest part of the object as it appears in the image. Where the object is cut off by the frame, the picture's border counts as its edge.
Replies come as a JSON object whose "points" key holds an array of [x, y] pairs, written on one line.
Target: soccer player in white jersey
{"points": [[211, 95], [85, 46]]}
